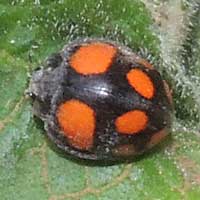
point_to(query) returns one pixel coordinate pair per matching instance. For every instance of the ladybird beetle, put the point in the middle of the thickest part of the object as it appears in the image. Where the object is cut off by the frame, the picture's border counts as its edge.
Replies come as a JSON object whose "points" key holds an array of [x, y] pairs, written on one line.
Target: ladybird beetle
{"points": [[101, 101]]}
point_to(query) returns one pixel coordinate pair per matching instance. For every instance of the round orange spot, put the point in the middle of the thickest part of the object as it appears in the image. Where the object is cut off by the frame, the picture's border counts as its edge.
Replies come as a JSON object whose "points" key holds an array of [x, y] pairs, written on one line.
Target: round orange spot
{"points": [[131, 122], [77, 121], [141, 83], [157, 137], [124, 150], [93, 58]]}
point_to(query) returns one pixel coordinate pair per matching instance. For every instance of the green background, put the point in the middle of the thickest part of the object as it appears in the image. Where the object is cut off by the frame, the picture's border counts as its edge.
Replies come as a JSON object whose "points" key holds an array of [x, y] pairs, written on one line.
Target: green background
{"points": [[30, 168]]}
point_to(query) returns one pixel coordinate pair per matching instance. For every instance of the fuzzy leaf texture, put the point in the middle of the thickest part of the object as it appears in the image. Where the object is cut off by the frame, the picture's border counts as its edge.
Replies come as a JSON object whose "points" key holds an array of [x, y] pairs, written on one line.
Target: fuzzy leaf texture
{"points": [[32, 30]]}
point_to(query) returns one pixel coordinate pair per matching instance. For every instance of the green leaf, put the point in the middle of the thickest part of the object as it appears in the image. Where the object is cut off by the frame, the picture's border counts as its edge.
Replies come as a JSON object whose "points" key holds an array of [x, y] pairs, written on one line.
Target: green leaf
{"points": [[30, 168]]}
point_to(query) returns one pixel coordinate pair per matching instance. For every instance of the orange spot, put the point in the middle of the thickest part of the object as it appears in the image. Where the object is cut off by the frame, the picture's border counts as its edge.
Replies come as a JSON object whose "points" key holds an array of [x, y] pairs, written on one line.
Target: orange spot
{"points": [[168, 92], [77, 121], [93, 58], [157, 137], [131, 122], [145, 63], [141, 83], [125, 150]]}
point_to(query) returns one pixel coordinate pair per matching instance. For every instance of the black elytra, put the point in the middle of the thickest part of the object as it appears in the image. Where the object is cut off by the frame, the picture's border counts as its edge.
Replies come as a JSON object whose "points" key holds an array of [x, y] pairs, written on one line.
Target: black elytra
{"points": [[109, 94]]}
